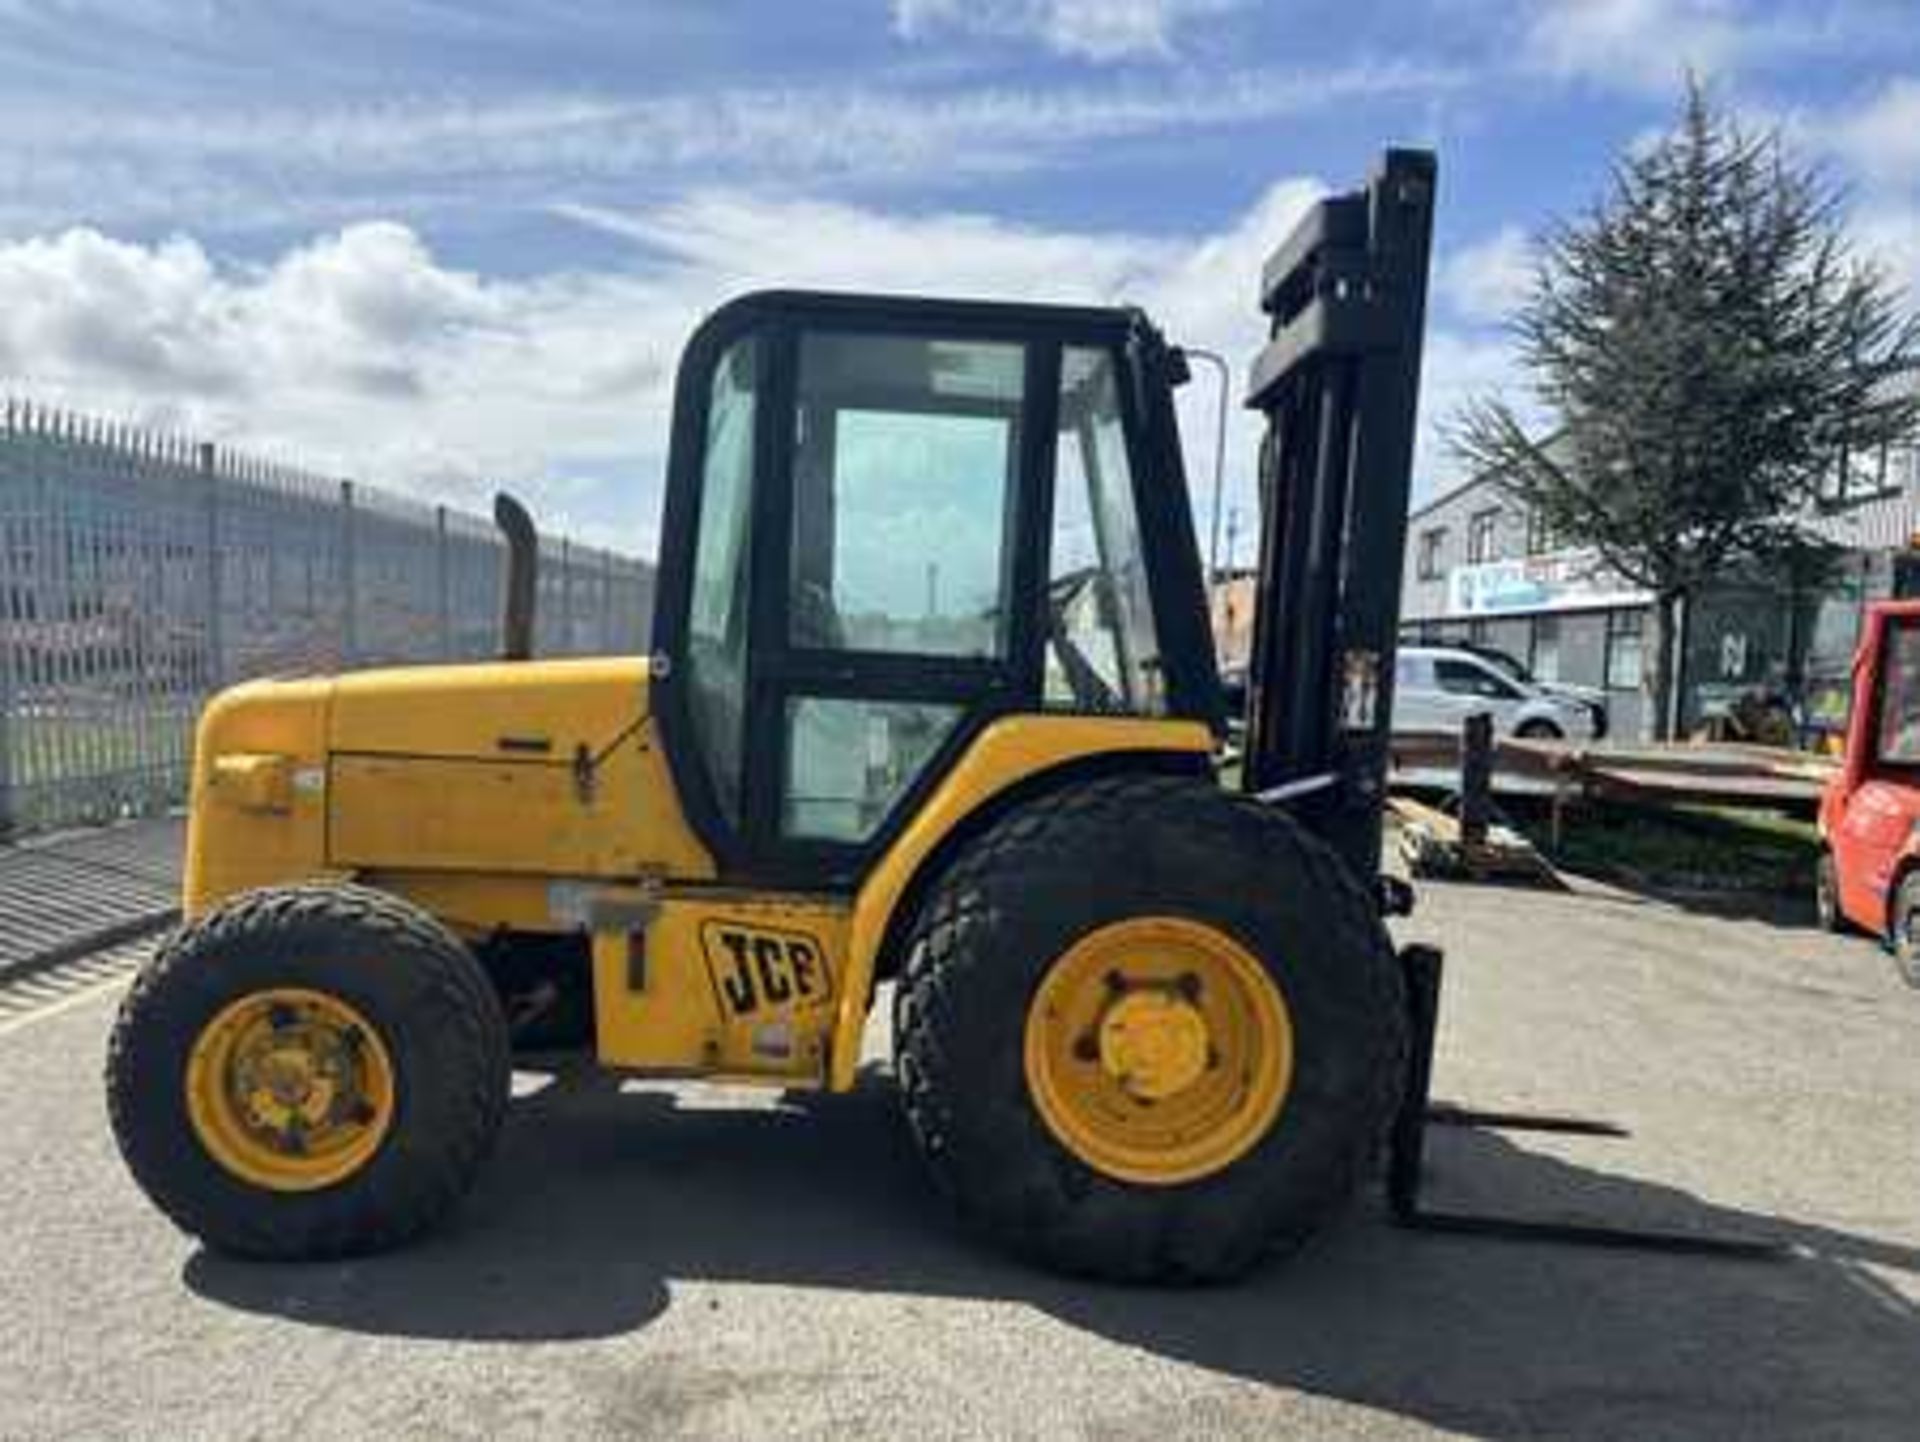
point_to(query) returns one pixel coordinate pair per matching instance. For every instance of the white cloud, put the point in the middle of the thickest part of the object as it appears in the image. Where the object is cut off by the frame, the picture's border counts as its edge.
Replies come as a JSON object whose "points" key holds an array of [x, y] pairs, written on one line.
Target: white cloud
{"points": [[1880, 145], [361, 353], [1887, 231], [1873, 145], [722, 237], [1880, 138], [1485, 282], [414, 157], [1647, 46], [1639, 44], [1461, 366], [1095, 30], [356, 354]]}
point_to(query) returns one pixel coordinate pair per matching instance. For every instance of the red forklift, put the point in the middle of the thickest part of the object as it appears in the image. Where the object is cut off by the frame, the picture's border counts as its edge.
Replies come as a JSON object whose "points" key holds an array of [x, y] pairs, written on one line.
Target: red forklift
{"points": [[1868, 874]]}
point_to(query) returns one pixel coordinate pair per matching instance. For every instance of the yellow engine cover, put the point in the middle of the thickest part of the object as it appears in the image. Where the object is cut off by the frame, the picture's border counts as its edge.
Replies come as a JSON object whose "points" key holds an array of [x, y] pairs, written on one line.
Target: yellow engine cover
{"points": [[469, 783]]}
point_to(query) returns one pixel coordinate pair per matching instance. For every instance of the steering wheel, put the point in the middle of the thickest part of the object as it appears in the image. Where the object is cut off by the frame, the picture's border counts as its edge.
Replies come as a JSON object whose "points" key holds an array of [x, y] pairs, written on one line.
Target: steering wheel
{"points": [[1090, 689], [814, 621]]}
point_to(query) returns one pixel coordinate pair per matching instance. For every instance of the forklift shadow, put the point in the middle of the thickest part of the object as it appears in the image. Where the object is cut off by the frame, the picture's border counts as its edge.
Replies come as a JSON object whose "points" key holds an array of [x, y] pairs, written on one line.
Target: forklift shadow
{"points": [[1785, 911], [600, 1199], [1773, 910]]}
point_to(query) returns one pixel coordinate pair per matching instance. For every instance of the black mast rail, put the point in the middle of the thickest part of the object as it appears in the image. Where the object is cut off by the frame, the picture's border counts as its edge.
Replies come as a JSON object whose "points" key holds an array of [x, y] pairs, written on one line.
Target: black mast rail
{"points": [[1338, 382]]}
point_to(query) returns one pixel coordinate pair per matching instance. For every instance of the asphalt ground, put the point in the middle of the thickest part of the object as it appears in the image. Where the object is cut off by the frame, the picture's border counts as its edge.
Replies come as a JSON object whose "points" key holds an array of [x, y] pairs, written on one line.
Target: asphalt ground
{"points": [[673, 1261]]}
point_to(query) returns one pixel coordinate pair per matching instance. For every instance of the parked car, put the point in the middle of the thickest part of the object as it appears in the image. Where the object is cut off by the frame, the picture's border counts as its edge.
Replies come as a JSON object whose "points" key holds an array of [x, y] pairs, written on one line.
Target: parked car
{"points": [[1435, 688], [1868, 873], [1592, 697]]}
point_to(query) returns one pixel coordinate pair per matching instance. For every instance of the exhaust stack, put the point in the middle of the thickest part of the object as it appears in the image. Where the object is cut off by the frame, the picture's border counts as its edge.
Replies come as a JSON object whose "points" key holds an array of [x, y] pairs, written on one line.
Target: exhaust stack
{"points": [[523, 565]]}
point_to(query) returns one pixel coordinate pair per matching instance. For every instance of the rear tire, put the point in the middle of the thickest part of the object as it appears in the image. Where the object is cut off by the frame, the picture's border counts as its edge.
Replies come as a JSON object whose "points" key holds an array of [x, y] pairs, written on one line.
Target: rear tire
{"points": [[1904, 936], [438, 1031], [1047, 877]]}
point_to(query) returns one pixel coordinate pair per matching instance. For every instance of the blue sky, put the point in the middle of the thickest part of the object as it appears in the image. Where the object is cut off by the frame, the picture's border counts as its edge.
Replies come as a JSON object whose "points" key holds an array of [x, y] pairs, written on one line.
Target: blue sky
{"points": [[442, 246]]}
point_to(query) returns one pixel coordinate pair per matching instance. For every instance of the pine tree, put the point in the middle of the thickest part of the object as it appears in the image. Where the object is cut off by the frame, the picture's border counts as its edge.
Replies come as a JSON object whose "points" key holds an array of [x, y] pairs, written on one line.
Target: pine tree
{"points": [[1708, 349]]}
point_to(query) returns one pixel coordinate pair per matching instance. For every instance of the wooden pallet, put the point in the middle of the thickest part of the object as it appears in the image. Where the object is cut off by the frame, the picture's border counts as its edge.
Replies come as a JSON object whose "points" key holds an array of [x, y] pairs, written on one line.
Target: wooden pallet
{"points": [[1431, 845], [1723, 774]]}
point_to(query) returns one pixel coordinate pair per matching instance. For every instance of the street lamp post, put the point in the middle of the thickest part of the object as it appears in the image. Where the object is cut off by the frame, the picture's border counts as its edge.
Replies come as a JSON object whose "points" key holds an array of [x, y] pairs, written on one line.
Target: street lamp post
{"points": [[1219, 362]]}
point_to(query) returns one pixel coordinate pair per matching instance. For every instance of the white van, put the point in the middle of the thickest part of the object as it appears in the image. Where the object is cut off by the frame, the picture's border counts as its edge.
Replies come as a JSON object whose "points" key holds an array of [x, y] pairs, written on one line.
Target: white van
{"points": [[1435, 688]]}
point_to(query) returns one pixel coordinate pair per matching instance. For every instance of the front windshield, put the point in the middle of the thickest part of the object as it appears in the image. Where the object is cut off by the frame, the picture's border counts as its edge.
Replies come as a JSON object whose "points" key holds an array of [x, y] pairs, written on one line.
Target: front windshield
{"points": [[1900, 694]]}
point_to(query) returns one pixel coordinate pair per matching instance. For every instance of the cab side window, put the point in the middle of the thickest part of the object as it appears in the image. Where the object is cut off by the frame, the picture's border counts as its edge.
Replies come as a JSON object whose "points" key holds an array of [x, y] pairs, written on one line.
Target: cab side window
{"points": [[717, 620], [904, 464], [1102, 650], [1899, 728]]}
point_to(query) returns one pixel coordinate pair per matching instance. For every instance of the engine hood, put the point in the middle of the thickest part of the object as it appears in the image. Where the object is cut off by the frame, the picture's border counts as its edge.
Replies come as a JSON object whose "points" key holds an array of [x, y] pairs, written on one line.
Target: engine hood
{"points": [[523, 709]]}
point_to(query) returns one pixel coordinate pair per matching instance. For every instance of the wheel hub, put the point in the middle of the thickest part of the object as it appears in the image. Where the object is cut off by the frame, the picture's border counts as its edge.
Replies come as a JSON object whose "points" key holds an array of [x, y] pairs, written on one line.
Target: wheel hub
{"points": [[1158, 1050], [294, 1084], [290, 1089], [1154, 1044]]}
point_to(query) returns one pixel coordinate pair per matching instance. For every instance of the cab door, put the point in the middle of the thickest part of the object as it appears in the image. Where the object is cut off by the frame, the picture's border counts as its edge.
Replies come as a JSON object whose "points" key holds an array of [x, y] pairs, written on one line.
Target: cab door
{"points": [[895, 597], [890, 522]]}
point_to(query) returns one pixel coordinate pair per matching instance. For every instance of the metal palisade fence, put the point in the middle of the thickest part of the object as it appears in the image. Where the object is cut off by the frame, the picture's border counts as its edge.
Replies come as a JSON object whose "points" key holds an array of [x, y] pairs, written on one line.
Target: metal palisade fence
{"points": [[139, 573]]}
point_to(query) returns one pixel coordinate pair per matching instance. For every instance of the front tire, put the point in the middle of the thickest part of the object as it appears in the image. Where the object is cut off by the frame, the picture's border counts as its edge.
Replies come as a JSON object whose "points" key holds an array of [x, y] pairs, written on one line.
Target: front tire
{"points": [[1904, 931], [1826, 895], [1537, 730], [1149, 1031], [308, 1071]]}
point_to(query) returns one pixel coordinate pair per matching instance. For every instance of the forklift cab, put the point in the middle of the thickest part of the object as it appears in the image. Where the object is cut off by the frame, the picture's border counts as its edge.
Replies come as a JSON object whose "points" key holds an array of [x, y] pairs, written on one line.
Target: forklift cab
{"points": [[893, 521]]}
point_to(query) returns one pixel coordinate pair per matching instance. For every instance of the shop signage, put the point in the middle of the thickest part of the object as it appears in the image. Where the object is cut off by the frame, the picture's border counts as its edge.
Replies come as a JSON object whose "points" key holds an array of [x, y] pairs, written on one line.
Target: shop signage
{"points": [[1569, 581]]}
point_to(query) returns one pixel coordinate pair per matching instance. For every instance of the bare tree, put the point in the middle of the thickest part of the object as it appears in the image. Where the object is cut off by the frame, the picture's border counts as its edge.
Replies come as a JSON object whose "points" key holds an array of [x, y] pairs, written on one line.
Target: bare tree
{"points": [[1708, 348]]}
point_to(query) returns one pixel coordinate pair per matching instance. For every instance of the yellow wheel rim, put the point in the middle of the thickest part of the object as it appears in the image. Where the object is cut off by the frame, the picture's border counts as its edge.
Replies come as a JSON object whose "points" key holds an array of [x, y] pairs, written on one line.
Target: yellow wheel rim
{"points": [[1158, 1050], [290, 1089]]}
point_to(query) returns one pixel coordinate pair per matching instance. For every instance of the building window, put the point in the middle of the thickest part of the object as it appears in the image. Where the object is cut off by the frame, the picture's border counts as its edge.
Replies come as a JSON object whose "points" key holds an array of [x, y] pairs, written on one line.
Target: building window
{"points": [[1428, 567], [1541, 539], [1480, 536], [1478, 632], [1862, 476], [1626, 635], [1543, 657], [1903, 468]]}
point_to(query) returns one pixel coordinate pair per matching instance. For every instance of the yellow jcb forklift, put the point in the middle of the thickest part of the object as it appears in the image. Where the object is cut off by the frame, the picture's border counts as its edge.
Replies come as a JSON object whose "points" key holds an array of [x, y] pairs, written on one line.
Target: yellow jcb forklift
{"points": [[931, 699]]}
